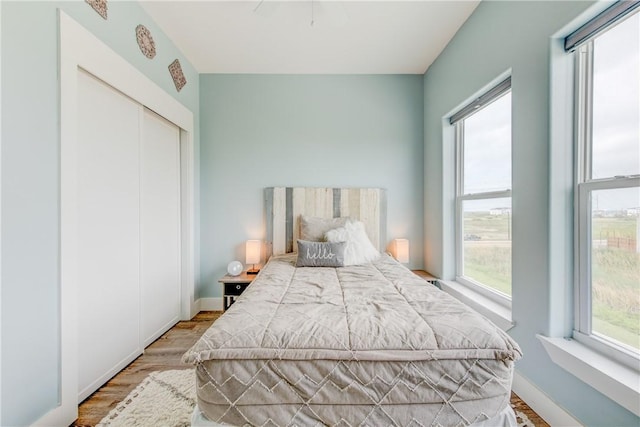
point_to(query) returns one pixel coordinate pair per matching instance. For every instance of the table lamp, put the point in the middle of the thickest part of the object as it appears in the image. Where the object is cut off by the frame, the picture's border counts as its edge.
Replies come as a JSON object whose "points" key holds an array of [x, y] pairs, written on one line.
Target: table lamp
{"points": [[253, 255], [401, 250]]}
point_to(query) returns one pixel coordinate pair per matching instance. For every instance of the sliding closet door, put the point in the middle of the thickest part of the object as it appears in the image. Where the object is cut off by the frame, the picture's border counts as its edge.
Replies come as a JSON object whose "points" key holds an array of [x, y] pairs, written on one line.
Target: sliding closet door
{"points": [[160, 225], [108, 232]]}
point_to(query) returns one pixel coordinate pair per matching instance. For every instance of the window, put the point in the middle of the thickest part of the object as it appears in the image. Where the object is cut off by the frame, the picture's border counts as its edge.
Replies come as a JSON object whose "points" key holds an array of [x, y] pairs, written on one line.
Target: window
{"points": [[607, 192], [483, 194]]}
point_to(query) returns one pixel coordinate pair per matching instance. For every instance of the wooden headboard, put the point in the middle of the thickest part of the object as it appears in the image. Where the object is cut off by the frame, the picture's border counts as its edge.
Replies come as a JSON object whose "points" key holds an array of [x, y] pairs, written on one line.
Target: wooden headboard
{"points": [[284, 205]]}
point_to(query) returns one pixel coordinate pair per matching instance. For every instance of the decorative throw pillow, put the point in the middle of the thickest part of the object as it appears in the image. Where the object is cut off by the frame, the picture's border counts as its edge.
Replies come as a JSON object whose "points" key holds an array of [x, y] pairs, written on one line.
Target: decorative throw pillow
{"points": [[359, 249], [313, 229], [320, 254]]}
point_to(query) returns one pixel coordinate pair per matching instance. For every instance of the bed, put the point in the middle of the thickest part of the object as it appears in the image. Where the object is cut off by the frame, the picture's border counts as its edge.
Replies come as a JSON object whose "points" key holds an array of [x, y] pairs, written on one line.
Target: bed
{"points": [[366, 344]]}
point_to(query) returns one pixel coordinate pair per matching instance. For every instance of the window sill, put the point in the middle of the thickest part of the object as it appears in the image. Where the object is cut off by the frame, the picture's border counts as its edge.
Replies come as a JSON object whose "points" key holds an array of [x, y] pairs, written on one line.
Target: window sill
{"points": [[615, 380], [498, 314]]}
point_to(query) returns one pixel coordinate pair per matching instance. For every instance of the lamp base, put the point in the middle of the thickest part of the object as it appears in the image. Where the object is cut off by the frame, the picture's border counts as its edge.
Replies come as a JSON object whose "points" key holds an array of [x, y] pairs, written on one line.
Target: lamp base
{"points": [[253, 271]]}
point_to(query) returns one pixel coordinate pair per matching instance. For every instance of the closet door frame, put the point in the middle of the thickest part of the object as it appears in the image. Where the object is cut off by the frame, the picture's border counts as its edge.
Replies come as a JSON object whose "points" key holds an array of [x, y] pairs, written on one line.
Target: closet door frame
{"points": [[79, 49]]}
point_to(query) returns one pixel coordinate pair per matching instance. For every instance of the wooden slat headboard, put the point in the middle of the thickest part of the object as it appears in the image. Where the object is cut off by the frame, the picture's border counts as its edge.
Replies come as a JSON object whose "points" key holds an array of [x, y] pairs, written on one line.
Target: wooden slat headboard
{"points": [[284, 205]]}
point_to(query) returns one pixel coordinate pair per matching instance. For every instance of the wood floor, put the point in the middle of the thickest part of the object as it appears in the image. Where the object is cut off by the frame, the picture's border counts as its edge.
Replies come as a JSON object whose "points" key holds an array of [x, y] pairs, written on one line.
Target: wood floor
{"points": [[165, 354]]}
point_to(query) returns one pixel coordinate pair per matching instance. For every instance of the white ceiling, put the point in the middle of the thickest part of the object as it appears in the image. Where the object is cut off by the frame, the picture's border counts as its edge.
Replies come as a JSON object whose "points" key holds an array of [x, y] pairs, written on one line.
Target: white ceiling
{"points": [[276, 37]]}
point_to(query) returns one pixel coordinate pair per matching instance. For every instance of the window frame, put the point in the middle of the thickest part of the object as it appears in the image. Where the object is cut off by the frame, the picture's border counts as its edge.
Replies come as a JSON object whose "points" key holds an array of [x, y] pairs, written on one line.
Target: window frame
{"points": [[584, 185], [494, 295]]}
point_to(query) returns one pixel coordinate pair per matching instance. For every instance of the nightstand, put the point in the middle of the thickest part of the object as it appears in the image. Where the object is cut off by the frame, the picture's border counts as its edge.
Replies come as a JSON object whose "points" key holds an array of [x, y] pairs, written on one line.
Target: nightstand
{"points": [[428, 277], [233, 286]]}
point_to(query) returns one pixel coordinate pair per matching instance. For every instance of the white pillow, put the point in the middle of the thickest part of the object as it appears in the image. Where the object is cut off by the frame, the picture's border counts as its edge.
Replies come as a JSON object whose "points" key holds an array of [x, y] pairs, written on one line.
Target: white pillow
{"points": [[359, 249]]}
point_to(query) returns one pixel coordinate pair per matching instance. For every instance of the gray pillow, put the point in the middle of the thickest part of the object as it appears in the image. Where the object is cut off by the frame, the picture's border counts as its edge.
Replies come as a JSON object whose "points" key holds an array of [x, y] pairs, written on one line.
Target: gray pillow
{"points": [[313, 228], [320, 254]]}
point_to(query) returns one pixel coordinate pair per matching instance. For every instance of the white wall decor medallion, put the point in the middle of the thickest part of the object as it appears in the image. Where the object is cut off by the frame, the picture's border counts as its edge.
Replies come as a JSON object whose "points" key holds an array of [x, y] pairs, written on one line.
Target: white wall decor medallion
{"points": [[145, 41], [99, 6], [176, 73]]}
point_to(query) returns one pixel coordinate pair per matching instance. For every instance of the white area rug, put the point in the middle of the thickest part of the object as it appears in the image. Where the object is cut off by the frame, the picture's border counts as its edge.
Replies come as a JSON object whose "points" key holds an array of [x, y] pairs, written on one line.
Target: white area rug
{"points": [[523, 420], [164, 398], [167, 399]]}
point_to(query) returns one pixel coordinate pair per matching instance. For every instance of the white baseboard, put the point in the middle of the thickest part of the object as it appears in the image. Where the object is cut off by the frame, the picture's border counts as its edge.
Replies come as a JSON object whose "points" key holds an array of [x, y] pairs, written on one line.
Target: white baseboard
{"points": [[209, 304], [195, 309], [542, 404]]}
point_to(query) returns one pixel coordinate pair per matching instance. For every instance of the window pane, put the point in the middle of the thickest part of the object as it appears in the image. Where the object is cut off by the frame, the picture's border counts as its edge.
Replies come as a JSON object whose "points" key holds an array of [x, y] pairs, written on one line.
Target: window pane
{"points": [[615, 265], [616, 101], [487, 148], [487, 242]]}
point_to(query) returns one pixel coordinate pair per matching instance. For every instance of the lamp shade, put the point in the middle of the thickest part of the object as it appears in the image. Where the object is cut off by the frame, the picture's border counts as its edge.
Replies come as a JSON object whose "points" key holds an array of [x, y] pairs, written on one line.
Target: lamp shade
{"points": [[401, 250], [253, 251]]}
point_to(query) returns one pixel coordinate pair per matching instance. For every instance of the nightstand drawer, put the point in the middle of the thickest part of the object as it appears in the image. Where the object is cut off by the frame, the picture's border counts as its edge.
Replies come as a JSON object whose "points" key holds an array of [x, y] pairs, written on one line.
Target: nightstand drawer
{"points": [[235, 288]]}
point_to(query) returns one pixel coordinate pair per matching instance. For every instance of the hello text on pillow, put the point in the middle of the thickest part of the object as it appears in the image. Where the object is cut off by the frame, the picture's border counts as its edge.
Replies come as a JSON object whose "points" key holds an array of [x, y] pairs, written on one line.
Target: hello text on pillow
{"points": [[320, 254]]}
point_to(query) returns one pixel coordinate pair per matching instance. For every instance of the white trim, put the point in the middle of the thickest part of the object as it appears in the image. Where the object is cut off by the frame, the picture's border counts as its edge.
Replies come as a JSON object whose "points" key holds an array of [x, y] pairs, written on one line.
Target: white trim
{"points": [[81, 49], [615, 380], [497, 313], [210, 304], [583, 314], [494, 295], [584, 186], [1, 215], [458, 130], [157, 334], [91, 54], [541, 403], [460, 197], [89, 389], [195, 309], [187, 223], [502, 194], [614, 350]]}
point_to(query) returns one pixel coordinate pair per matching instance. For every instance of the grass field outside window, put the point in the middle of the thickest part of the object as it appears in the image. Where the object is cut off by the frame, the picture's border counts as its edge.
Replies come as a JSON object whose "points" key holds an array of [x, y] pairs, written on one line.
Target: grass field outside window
{"points": [[487, 248], [615, 279]]}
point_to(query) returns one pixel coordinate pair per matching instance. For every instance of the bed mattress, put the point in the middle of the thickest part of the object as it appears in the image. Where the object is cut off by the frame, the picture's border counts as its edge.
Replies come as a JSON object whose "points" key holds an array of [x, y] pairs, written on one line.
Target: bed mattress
{"points": [[371, 344]]}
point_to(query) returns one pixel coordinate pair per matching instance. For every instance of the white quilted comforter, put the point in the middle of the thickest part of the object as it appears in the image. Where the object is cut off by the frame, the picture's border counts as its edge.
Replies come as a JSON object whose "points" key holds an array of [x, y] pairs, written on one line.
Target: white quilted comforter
{"points": [[362, 345]]}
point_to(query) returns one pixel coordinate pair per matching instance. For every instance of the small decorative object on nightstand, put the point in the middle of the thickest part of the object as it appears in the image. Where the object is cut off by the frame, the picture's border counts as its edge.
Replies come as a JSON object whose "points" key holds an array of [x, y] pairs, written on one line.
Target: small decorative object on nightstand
{"points": [[234, 268], [233, 286]]}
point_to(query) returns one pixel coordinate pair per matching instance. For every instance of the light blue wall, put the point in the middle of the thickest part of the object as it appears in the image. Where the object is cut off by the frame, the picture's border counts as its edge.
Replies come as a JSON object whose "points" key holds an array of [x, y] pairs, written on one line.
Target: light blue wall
{"points": [[273, 130], [260, 131], [30, 183], [500, 36]]}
